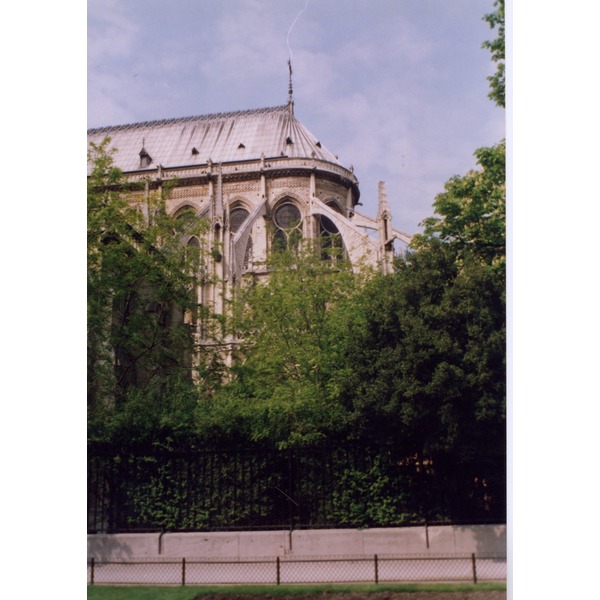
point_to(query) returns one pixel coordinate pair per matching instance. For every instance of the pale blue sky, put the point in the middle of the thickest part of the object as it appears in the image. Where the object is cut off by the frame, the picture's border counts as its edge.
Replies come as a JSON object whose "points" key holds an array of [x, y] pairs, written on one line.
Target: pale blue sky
{"points": [[396, 88]]}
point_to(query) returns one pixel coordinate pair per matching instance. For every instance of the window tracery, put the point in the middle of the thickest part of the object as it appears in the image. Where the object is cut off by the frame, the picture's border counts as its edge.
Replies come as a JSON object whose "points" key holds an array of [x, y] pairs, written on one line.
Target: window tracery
{"points": [[288, 226], [332, 245], [237, 216]]}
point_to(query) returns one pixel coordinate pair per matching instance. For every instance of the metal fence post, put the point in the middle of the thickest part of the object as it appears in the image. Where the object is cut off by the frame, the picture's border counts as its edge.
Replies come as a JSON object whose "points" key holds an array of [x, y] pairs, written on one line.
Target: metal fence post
{"points": [[376, 570], [474, 568], [183, 571], [278, 563], [92, 571]]}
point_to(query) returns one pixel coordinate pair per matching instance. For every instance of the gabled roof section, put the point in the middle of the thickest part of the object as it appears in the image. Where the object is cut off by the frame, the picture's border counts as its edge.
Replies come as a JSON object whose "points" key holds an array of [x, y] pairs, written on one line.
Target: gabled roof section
{"points": [[222, 137]]}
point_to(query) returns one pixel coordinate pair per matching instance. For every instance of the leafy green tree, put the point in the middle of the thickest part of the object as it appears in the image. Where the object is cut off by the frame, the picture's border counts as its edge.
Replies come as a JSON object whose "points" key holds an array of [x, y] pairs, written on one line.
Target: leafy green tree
{"points": [[426, 363], [289, 366], [426, 375], [140, 283], [471, 213], [497, 49]]}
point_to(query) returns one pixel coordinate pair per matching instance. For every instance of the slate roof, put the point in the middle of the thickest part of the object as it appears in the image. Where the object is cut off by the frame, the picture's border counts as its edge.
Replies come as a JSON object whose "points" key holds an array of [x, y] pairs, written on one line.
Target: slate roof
{"points": [[221, 137]]}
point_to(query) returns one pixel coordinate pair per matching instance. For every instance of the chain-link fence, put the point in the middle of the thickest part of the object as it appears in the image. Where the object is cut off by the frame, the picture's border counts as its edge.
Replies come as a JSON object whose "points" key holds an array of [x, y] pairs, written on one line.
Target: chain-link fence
{"points": [[280, 570]]}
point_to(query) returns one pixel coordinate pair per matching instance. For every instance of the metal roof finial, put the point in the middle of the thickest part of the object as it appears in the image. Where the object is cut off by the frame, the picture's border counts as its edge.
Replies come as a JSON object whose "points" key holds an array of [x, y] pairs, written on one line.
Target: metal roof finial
{"points": [[290, 89]]}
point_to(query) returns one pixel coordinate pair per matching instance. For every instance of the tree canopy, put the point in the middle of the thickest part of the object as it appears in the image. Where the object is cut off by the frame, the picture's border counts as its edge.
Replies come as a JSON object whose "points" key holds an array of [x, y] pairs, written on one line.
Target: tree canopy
{"points": [[471, 213], [498, 50], [410, 367], [427, 370], [289, 362], [140, 280]]}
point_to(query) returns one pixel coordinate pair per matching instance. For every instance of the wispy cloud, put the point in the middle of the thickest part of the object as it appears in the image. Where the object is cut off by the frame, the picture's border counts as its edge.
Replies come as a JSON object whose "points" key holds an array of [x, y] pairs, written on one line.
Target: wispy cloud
{"points": [[396, 89]]}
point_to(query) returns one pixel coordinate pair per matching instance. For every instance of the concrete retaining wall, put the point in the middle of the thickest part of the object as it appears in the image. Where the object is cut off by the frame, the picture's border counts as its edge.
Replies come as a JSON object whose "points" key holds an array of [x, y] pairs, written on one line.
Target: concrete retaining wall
{"points": [[457, 539]]}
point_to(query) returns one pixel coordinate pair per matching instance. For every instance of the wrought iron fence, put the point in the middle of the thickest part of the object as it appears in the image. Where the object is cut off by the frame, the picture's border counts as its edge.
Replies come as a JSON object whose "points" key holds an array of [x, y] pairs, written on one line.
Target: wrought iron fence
{"points": [[279, 570], [262, 488]]}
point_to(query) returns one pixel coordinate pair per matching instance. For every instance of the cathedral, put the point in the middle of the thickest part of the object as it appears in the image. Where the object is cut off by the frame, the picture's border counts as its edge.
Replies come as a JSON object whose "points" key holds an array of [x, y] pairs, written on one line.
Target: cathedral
{"points": [[262, 181]]}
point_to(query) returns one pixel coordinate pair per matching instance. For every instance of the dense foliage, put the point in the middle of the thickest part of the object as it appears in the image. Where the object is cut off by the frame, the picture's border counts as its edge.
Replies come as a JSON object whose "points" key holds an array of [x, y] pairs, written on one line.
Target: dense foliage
{"points": [[498, 52], [353, 400], [408, 367], [288, 370], [140, 283]]}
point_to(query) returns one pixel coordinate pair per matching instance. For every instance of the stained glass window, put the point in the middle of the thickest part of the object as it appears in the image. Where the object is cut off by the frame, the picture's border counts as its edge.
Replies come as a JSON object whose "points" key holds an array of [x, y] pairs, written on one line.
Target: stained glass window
{"points": [[288, 222], [236, 217]]}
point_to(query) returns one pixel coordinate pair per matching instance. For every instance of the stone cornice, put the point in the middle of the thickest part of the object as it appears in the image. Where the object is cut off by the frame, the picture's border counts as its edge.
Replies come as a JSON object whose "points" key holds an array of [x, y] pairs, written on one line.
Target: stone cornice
{"points": [[244, 170]]}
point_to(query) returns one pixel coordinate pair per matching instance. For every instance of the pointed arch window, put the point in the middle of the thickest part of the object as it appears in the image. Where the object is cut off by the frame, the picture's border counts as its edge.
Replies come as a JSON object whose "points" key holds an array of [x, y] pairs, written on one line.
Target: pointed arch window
{"points": [[332, 245], [187, 213], [187, 217], [193, 252], [237, 216], [190, 315], [288, 226]]}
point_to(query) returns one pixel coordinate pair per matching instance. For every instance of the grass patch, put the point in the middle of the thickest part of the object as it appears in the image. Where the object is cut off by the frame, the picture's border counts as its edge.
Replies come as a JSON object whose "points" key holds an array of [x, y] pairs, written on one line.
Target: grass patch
{"points": [[102, 592]]}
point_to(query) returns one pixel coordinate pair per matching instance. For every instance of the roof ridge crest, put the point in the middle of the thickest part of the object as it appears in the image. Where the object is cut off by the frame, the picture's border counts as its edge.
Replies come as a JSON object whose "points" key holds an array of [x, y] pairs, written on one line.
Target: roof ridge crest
{"points": [[205, 117]]}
